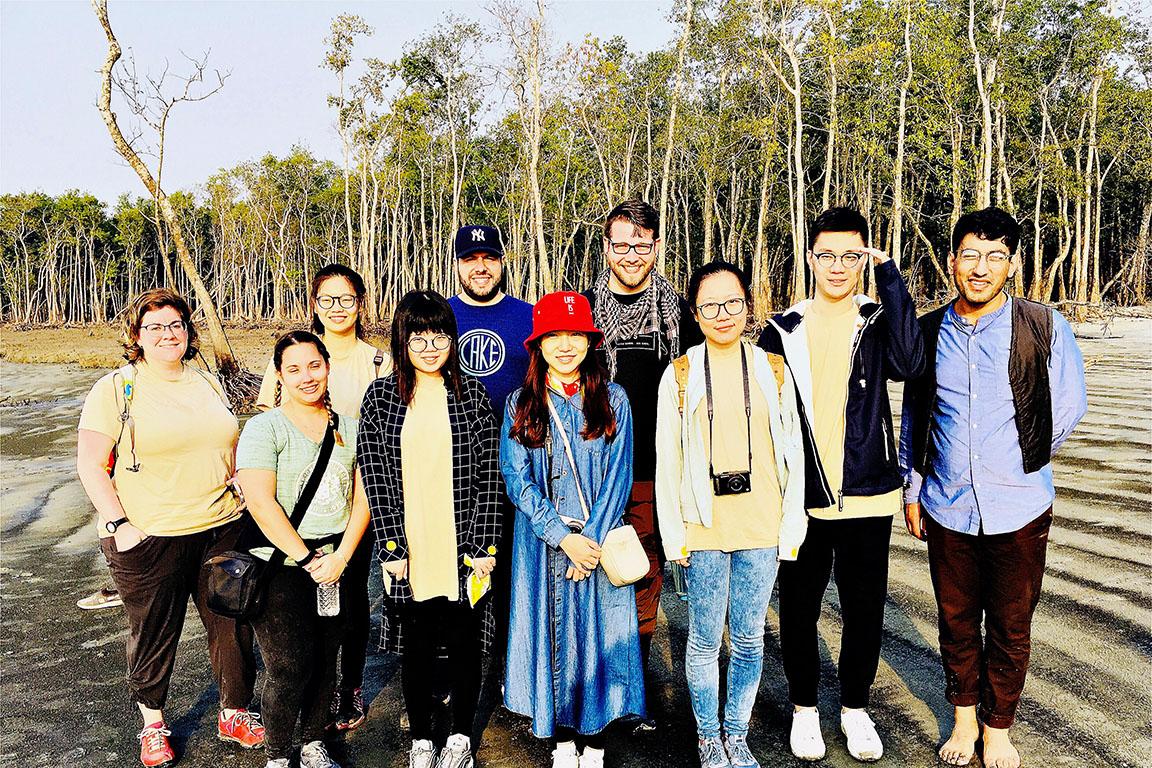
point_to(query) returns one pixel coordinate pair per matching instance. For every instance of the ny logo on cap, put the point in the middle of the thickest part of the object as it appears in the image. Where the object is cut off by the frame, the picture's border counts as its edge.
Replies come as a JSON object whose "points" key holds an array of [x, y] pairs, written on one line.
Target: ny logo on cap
{"points": [[478, 234]]}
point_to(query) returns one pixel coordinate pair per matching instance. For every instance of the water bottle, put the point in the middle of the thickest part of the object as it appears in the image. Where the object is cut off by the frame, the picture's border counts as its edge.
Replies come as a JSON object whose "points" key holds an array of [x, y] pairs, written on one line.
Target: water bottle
{"points": [[328, 599]]}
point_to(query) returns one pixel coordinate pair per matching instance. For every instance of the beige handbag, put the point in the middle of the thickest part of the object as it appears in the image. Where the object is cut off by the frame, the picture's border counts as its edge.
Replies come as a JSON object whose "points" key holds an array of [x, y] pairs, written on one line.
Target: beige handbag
{"points": [[621, 555]]}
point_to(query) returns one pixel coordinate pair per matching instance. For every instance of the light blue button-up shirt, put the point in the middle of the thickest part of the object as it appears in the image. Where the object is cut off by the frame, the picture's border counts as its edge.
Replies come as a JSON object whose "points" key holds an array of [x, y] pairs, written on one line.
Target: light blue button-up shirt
{"points": [[977, 480]]}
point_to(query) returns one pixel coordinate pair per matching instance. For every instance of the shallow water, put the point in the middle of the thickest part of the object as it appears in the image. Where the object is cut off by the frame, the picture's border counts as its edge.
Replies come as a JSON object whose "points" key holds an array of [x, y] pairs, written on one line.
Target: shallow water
{"points": [[63, 700]]}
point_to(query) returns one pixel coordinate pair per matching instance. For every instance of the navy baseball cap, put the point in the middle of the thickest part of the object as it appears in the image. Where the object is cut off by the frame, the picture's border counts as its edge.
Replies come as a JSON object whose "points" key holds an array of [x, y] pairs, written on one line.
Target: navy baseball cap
{"points": [[473, 239]]}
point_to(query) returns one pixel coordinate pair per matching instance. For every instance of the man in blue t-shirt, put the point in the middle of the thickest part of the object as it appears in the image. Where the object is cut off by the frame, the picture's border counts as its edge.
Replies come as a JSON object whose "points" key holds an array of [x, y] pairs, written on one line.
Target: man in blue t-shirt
{"points": [[492, 324]]}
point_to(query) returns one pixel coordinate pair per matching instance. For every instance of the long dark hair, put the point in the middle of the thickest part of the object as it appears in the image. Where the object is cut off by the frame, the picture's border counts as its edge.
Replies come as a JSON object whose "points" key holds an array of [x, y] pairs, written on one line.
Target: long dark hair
{"points": [[291, 339], [357, 283], [421, 312], [530, 419]]}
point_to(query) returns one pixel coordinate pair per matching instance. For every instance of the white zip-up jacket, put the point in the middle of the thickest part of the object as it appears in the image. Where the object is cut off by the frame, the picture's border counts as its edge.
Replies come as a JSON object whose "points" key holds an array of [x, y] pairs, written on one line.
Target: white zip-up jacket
{"points": [[683, 485]]}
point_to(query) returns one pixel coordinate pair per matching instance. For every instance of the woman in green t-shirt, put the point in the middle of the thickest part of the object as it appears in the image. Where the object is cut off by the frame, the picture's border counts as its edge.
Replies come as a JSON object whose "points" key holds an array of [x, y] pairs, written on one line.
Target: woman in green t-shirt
{"points": [[276, 456]]}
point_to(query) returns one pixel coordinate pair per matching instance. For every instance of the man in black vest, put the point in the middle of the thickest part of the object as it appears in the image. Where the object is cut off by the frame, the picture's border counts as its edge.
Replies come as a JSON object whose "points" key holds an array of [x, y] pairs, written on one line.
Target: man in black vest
{"points": [[1002, 389]]}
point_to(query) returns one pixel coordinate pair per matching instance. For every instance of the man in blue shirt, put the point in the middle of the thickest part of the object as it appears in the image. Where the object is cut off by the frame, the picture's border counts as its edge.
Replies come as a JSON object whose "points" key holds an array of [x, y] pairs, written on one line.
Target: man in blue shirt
{"points": [[1002, 389]]}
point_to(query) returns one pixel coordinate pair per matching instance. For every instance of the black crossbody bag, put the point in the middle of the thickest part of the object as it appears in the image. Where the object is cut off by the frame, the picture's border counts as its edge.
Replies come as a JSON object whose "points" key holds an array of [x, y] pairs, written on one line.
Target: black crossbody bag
{"points": [[237, 579]]}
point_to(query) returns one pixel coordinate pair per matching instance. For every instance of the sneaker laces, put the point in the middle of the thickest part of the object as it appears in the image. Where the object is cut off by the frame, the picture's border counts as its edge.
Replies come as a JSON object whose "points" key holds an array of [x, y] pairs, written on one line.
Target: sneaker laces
{"points": [[245, 717], [712, 751], [316, 749], [337, 703], [357, 702], [738, 750], [153, 738]]}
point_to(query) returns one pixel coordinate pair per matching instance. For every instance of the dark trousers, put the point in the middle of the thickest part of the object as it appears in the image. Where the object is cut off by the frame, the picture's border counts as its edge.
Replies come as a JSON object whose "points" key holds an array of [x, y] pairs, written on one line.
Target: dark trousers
{"points": [[855, 551], [429, 625], [299, 649], [996, 578], [641, 515], [358, 609], [155, 578]]}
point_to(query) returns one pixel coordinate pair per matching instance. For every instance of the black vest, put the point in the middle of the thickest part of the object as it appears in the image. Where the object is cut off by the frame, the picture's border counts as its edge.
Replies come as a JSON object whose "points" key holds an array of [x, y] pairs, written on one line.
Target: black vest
{"points": [[1028, 357]]}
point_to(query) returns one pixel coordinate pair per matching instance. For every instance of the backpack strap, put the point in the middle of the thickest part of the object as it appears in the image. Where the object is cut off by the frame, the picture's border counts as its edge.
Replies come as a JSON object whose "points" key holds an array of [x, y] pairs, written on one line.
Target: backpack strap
{"points": [[777, 363], [680, 368], [125, 380]]}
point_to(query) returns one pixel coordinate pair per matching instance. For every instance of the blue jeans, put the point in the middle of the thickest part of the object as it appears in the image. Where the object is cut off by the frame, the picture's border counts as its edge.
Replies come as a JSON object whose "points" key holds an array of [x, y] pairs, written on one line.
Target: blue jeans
{"points": [[738, 584]]}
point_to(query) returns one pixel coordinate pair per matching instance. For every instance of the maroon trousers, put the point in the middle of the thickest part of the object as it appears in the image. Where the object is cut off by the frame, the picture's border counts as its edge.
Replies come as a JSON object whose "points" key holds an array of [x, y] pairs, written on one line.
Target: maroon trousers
{"points": [[996, 578], [641, 515], [156, 578]]}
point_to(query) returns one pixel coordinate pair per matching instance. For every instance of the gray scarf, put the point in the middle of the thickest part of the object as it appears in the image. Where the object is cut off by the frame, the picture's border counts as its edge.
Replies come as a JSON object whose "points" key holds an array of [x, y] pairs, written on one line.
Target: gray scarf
{"points": [[657, 310]]}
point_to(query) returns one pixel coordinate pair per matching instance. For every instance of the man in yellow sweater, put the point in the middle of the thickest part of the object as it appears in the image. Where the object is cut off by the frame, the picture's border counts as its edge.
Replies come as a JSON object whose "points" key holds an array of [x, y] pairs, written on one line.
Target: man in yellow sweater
{"points": [[842, 349]]}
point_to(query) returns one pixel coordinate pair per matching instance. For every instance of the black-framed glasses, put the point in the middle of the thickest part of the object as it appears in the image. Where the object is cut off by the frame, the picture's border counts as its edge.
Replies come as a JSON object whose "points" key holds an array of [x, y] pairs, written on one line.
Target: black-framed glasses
{"points": [[439, 342], [711, 310], [347, 301], [622, 249], [849, 259], [995, 258], [176, 326]]}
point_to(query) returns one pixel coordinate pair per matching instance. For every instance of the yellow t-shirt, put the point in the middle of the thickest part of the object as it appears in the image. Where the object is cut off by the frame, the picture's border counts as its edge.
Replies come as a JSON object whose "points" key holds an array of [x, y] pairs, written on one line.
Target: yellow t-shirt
{"points": [[743, 520], [429, 506], [348, 379], [830, 328], [185, 446]]}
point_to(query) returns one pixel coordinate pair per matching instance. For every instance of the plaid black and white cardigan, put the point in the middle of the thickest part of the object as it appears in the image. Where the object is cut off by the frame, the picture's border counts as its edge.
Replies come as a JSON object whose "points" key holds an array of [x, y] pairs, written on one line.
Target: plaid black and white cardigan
{"points": [[476, 483]]}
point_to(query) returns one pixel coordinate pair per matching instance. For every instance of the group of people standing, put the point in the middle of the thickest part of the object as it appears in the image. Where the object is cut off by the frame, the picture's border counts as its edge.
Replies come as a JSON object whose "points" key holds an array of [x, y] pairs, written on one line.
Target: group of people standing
{"points": [[483, 461]]}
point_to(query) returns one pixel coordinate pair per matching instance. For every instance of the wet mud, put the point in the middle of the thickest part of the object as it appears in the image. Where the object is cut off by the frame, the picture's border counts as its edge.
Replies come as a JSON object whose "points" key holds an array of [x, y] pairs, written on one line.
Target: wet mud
{"points": [[1086, 703]]}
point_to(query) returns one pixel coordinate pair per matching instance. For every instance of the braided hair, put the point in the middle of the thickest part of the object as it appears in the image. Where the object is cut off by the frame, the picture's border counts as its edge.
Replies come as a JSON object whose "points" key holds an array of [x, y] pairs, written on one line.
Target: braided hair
{"points": [[291, 339]]}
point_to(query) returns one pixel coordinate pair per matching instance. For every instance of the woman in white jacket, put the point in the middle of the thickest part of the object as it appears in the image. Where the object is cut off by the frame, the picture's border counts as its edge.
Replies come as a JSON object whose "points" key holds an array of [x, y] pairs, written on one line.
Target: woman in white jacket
{"points": [[730, 500]]}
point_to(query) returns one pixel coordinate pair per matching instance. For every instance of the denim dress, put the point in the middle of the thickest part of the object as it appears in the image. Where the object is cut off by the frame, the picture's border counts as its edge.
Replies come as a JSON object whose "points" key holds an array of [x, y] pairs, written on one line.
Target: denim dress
{"points": [[573, 647]]}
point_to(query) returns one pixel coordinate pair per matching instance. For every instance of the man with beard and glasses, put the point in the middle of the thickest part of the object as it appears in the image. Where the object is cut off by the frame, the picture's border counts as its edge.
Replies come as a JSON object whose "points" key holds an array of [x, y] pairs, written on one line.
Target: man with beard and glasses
{"points": [[646, 324], [492, 327], [1002, 389]]}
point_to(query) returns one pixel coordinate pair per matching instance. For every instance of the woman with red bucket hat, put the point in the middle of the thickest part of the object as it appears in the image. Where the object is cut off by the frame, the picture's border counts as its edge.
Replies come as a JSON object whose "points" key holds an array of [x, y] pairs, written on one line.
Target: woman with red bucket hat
{"points": [[566, 453]]}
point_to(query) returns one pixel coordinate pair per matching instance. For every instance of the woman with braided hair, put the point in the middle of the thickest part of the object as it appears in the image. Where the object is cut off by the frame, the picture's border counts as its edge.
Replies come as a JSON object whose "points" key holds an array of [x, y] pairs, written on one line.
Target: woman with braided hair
{"points": [[277, 456]]}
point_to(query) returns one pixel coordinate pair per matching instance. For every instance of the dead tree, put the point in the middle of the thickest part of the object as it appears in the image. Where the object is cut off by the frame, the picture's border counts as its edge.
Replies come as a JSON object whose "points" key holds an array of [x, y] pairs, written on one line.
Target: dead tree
{"points": [[236, 382]]}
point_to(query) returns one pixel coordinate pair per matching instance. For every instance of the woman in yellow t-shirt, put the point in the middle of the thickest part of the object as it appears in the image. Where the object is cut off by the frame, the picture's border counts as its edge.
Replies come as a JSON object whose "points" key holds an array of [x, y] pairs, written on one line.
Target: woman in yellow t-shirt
{"points": [[163, 506], [337, 296]]}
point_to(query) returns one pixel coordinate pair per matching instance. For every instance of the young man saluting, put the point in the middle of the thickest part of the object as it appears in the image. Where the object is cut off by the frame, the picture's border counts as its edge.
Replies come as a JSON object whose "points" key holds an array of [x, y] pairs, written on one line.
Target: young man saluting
{"points": [[1002, 389], [843, 348]]}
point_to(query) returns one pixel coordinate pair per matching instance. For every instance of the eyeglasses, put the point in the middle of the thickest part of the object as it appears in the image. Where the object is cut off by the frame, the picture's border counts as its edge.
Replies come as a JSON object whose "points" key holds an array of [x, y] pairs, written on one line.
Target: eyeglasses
{"points": [[622, 249], [176, 326], [327, 302], [440, 342], [995, 258], [711, 310], [849, 259]]}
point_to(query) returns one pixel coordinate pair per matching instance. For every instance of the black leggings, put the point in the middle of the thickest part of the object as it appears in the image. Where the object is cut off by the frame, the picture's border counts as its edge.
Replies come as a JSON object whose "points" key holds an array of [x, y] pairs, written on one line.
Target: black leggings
{"points": [[354, 650], [299, 649], [428, 625]]}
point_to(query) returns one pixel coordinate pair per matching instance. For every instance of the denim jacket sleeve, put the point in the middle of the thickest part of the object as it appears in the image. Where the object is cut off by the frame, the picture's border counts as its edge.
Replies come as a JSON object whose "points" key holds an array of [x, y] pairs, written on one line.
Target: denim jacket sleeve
{"points": [[516, 464], [904, 357]]}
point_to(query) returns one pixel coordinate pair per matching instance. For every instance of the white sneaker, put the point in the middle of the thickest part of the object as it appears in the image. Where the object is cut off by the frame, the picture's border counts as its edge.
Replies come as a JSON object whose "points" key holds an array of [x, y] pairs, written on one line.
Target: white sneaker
{"points": [[805, 739], [315, 755], [422, 754], [592, 758], [565, 755], [279, 762], [863, 742], [457, 753]]}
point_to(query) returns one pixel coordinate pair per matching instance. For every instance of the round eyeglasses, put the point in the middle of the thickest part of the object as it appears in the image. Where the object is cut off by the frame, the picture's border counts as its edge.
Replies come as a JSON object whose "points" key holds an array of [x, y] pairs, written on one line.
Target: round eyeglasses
{"points": [[440, 342], [176, 326], [711, 310], [849, 259], [347, 301]]}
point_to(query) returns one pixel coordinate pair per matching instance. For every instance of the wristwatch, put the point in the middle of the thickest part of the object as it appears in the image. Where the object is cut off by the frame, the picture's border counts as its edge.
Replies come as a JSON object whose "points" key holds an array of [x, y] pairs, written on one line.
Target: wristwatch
{"points": [[112, 525]]}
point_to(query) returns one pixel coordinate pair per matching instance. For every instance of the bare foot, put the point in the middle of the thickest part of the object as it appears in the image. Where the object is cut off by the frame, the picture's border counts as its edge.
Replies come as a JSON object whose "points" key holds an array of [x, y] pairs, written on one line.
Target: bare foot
{"points": [[998, 749], [961, 745]]}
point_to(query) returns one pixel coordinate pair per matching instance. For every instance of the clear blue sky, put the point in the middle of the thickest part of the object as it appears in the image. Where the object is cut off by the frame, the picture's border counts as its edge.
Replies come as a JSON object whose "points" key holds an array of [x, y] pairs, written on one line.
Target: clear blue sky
{"points": [[53, 139]]}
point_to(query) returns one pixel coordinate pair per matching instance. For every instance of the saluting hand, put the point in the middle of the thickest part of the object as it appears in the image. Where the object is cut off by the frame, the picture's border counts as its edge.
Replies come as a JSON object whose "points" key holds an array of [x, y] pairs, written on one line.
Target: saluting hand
{"points": [[878, 256]]}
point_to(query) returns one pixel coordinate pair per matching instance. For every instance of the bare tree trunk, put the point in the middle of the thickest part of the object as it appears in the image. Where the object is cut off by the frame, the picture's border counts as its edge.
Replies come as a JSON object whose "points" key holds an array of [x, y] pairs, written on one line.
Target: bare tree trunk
{"points": [[666, 177], [898, 170]]}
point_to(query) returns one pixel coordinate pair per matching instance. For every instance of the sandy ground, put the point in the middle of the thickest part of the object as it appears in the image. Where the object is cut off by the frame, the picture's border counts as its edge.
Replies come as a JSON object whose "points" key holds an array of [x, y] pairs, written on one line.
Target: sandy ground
{"points": [[1087, 702]]}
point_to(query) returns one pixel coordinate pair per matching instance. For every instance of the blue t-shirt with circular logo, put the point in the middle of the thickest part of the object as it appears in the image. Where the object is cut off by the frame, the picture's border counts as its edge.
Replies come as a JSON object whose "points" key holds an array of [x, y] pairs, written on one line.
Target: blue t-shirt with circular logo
{"points": [[492, 344]]}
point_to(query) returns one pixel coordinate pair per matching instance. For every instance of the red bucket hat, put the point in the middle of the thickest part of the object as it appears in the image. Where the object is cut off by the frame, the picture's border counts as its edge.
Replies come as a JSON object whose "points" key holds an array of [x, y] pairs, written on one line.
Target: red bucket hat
{"points": [[563, 311]]}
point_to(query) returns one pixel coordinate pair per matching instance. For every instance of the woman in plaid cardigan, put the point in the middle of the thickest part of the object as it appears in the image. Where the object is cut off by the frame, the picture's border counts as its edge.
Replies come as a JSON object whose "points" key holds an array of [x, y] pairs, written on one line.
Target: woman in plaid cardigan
{"points": [[428, 451]]}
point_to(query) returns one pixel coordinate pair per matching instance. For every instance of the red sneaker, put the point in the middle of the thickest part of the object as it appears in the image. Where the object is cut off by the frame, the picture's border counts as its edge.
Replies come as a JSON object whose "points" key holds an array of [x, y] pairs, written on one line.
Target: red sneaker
{"points": [[243, 727], [154, 747]]}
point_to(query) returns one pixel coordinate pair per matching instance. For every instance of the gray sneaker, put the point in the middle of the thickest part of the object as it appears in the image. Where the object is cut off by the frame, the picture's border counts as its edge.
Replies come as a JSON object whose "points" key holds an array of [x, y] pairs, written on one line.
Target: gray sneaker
{"points": [[739, 756], [315, 755], [422, 754], [457, 753], [712, 753], [280, 762]]}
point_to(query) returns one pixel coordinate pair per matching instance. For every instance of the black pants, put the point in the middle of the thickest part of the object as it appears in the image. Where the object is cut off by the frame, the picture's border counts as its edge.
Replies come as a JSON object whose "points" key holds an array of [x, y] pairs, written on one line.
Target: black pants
{"points": [[155, 578], [427, 626], [595, 740], [994, 579], [856, 552], [299, 649], [354, 650]]}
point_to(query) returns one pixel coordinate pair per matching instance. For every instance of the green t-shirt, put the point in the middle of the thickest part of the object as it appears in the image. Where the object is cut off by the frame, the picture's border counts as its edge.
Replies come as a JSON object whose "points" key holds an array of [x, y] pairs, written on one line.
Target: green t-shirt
{"points": [[271, 441]]}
